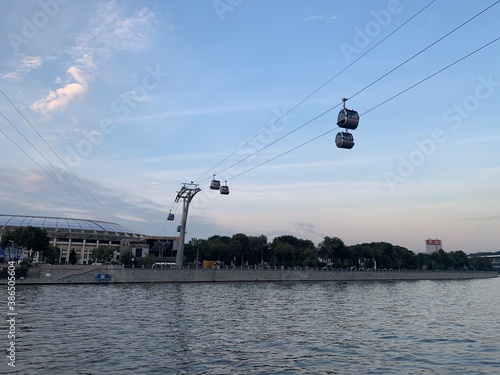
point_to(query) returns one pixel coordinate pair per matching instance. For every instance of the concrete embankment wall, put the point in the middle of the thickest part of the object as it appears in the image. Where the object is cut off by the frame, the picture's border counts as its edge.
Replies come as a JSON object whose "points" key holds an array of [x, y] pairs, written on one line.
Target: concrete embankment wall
{"points": [[115, 274]]}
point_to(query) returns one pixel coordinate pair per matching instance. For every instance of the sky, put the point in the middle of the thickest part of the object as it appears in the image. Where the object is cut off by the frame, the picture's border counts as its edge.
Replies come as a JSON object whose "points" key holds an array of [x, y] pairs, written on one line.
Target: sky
{"points": [[108, 107]]}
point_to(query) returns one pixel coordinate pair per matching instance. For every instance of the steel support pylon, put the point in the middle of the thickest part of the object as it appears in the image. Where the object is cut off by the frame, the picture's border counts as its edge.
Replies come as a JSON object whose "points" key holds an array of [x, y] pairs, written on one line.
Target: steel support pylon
{"points": [[187, 192]]}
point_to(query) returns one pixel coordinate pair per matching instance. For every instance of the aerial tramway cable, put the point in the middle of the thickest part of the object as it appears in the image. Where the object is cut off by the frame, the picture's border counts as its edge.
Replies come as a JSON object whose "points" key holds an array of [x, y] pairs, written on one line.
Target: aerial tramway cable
{"points": [[373, 108], [318, 89], [42, 168], [425, 49], [363, 89], [55, 153]]}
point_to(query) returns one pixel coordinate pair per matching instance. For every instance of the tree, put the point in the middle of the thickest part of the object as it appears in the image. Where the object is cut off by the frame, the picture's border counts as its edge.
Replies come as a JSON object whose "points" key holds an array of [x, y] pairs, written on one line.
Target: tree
{"points": [[219, 248], [103, 253], [481, 264], [422, 261], [149, 260], [283, 251], [73, 257], [23, 269], [461, 260], [126, 258], [361, 255], [259, 248], [239, 248], [330, 248], [51, 255], [307, 254], [203, 249], [292, 251], [408, 258], [30, 238]]}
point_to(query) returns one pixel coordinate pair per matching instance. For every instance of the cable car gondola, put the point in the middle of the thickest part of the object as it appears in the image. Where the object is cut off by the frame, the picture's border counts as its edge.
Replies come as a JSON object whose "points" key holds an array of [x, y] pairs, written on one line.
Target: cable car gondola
{"points": [[344, 140], [224, 189], [215, 184], [170, 216], [349, 120]]}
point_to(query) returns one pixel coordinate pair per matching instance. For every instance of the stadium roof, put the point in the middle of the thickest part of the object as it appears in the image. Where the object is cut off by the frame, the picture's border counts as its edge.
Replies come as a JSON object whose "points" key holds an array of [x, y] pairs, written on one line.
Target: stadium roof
{"points": [[65, 224]]}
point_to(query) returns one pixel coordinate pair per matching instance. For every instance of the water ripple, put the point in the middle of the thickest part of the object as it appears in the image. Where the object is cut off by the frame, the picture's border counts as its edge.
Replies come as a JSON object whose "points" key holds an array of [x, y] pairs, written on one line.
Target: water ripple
{"points": [[418, 327]]}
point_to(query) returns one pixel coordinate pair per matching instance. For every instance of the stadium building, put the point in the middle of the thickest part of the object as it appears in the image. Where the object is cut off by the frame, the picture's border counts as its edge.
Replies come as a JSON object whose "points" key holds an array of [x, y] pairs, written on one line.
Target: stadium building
{"points": [[84, 236]]}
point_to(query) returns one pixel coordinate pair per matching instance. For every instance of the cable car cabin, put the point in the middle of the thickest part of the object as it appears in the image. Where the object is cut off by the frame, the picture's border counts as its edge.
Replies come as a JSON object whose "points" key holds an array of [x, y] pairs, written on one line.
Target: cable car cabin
{"points": [[344, 140], [224, 190], [170, 217], [215, 185], [348, 119]]}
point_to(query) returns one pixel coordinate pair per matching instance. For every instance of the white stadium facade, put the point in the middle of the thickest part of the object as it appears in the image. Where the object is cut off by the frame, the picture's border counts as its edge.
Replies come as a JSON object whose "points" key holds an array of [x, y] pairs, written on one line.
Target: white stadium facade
{"points": [[84, 236]]}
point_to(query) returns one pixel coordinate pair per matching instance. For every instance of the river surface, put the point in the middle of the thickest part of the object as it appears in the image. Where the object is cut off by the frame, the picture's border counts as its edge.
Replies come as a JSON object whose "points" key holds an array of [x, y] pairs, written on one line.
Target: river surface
{"points": [[400, 327]]}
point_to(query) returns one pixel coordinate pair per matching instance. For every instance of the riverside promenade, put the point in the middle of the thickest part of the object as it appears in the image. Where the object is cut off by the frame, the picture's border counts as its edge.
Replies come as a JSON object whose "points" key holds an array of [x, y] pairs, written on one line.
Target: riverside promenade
{"points": [[89, 274]]}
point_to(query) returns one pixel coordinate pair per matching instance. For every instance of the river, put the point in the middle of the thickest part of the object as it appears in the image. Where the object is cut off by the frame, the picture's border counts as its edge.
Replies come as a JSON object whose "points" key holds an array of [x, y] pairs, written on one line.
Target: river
{"points": [[399, 327]]}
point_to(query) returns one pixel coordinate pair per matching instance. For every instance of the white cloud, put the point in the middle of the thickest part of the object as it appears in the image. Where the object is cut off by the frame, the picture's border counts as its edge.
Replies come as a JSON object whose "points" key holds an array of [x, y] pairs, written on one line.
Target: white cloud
{"points": [[313, 18], [112, 31], [30, 62], [58, 99], [86, 62], [129, 217], [23, 65], [131, 29], [12, 76], [109, 31]]}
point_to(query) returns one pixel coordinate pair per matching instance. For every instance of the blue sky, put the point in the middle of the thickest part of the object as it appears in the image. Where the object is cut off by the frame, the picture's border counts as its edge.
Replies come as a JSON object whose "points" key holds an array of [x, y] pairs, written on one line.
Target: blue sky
{"points": [[137, 97]]}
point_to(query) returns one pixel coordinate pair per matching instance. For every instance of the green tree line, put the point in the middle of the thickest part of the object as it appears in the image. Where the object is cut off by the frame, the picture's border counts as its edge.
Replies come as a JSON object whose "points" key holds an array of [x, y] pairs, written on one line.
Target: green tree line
{"points": [[34, 240], [290, 251]]}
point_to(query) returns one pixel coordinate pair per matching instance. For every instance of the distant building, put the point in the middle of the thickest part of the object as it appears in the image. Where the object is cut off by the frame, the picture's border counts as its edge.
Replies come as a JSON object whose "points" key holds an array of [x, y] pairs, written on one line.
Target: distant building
{"points": [[163, 248], [433, 245], [84, 236]]}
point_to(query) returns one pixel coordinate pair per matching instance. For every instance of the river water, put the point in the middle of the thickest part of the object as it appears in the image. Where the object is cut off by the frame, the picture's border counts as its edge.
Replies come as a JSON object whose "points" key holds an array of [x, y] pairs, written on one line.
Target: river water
{"points": [[402, 327]]}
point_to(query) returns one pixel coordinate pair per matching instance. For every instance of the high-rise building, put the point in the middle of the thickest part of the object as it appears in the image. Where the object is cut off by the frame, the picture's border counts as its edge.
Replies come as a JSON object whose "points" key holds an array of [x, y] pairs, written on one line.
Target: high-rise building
{"points": [[432, 245]]}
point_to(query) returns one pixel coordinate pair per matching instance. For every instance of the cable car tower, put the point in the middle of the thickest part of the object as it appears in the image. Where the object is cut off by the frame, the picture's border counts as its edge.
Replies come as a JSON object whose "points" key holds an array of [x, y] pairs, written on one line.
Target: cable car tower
{"points": [[347, 119], [187, 193]]}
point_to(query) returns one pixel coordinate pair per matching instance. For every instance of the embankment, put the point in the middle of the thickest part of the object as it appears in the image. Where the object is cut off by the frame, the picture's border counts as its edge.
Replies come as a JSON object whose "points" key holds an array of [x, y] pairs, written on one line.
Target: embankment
{"points": [[116, 274]]}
